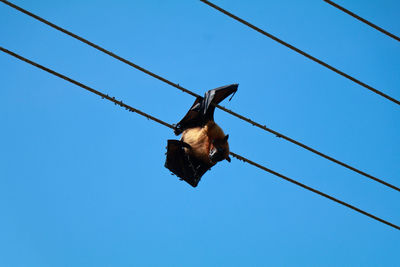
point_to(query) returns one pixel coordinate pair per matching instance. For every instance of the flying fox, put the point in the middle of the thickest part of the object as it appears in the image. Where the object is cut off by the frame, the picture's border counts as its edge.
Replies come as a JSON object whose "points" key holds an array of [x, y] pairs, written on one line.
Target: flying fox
{"points": [[203, 143]]}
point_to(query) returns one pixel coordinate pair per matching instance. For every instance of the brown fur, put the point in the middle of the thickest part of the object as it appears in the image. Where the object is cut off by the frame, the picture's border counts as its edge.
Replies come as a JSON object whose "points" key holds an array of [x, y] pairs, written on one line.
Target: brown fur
{"points": [[202, 140]]}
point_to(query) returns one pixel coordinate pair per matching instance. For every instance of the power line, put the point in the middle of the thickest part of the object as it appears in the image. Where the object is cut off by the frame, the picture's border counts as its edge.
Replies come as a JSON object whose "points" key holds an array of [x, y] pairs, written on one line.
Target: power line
{"points": [[313, 190], [301, 52], [127, 107], [363, 20], [104, 96], [248, 120]]}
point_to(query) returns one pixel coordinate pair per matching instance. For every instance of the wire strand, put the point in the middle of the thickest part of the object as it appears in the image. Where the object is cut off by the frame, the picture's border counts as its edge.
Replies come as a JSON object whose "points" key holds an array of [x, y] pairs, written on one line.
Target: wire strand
{"points": [[312, 190], [127, 107], [104, 96], [376, 91], [248, 120], [376, 27]]}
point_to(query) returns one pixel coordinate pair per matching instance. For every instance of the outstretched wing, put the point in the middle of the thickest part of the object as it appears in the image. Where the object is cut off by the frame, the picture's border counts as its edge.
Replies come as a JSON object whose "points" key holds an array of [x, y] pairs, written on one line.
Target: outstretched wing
{"points": [[203, 108]]}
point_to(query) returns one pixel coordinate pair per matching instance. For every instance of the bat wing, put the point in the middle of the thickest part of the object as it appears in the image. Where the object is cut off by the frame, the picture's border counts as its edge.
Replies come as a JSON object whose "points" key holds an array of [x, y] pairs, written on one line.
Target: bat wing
{"points": [[182, 165], [202, 110]]}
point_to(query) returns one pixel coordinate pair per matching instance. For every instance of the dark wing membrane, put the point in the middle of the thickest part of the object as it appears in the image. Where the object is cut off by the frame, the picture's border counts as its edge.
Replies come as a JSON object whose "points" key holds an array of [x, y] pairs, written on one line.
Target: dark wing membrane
{"points": [[203, 109], [193, 117], [182, 165]]}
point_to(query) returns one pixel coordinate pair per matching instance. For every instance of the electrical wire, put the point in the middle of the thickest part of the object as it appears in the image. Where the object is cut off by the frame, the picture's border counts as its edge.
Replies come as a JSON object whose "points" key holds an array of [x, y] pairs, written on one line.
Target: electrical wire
{"points": [[127, 107], [376, 91], [248, 120], [363, 20]]}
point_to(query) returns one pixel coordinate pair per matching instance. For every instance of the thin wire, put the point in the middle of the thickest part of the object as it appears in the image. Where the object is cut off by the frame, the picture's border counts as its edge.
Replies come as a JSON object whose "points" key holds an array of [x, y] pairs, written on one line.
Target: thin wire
{"points": [[363, 20], [313, 190], [302, 52], [248, 120], [104, 96], [127, 107]]}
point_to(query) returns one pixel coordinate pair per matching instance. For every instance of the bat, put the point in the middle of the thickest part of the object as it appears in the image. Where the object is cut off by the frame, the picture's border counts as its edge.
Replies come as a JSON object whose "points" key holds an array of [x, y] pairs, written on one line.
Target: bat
{"points": [[203, 143]]}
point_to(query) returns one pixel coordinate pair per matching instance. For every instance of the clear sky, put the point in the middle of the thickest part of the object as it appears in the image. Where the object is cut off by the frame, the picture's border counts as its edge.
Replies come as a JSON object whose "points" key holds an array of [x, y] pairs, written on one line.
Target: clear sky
{"points": [[83, 183]]}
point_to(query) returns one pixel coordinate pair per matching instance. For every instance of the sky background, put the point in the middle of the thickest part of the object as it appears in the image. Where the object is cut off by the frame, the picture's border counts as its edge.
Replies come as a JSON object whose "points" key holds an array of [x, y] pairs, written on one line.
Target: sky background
{"points": [[83, 183]]}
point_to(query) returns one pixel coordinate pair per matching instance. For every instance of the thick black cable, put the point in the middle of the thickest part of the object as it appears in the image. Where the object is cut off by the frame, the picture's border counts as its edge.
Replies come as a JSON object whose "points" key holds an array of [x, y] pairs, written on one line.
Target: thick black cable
{"points": [[376, 27], [127, 107], [376, 91], [248, 120]]}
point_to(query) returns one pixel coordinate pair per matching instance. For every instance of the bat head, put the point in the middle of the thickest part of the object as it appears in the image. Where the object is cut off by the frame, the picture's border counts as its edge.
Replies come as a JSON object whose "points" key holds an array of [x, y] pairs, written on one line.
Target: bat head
{"points": [[220, 150]]}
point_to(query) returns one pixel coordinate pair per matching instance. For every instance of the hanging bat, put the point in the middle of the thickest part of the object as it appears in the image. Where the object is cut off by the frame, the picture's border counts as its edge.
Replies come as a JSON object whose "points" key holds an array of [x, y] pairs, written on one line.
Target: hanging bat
{"points": [[203, 143]]}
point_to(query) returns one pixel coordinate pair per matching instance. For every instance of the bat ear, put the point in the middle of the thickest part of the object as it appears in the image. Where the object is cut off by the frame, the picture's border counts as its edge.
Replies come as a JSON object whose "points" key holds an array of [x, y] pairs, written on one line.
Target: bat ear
{"points": [[226, 137], [228, 159]]}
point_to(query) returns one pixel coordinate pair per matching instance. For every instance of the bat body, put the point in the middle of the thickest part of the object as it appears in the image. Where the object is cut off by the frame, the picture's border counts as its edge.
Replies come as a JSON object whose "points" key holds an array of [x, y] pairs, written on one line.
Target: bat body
{"points": [[203, 142]]}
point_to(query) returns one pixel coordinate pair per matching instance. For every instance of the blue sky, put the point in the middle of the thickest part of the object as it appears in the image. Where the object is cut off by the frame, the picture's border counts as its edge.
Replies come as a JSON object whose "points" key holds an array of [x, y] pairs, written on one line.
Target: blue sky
{"points": [[83, 183]]}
